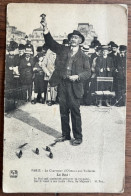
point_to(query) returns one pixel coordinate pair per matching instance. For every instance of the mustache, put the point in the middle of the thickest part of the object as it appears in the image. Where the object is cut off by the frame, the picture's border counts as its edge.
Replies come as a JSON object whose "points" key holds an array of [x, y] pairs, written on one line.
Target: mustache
{"points": [[72, 42]]}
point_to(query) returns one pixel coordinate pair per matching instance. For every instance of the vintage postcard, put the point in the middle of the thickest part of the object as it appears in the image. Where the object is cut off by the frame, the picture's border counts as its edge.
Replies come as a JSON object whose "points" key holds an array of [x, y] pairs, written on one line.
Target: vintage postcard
{"points": [[65, 98]]}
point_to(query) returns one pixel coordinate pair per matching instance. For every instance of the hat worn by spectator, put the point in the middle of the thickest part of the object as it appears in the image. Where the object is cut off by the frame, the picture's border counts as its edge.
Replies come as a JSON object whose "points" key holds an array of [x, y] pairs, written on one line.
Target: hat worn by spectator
{"points": [[105, 47], [21, 47], [13, 46], [26, 36], [39, 55], [111, 43], [98, 48], [75, 32], [122, 48], [114, 45], [85, 48], [39, 49], [28, 51]]}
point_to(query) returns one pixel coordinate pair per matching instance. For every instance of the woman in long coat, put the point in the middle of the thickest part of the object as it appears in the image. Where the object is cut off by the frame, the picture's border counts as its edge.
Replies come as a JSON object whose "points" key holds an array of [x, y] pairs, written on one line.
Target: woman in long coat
{"points": [[26, 75]]}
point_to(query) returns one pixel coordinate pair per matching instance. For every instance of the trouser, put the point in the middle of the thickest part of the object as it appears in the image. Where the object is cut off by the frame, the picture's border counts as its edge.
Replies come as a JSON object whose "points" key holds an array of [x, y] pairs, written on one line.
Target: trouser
{"points": [[51, 94], [27, 89], [45, 89], [69, 104], [120, 91]]}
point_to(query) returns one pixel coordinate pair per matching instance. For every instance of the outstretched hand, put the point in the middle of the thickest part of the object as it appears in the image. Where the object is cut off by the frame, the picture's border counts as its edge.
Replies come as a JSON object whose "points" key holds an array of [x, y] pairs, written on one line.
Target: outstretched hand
{"points": [[44, 24]]}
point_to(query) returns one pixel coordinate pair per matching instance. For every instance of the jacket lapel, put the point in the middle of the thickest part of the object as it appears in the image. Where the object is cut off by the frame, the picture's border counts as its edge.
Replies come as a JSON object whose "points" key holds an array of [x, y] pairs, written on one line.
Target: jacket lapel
{"points": [[77, 55]]}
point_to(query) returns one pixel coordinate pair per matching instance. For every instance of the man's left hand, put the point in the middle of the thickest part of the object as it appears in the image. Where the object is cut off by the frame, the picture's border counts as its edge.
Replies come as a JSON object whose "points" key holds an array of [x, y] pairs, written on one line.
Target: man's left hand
{"points": [[74, 78]]}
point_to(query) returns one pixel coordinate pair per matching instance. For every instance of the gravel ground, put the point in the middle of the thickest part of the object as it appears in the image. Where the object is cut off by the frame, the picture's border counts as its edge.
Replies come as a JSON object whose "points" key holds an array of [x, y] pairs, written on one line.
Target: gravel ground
{"points": [[39, 125]]}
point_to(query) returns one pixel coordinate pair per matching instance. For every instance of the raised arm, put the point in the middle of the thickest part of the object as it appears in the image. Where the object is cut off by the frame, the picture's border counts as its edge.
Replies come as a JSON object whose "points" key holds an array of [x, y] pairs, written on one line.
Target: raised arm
{"points": [[50, 42]]}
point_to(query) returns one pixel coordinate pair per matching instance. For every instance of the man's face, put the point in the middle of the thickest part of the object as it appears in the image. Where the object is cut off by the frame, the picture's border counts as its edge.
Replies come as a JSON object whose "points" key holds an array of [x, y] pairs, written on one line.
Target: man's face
{"points": [[114, 49], [85, 52], [105, 52], [75, 40], [123, 53], [21, 52], [98, 52], [11, 52], [41, 59], [27, 57]]}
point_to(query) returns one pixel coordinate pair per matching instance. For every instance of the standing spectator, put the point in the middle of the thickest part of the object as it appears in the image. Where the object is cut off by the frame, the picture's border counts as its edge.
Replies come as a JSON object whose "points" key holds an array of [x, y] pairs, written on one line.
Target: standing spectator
{"points": [[94, 56], [38, 50], [104, 68], [10, 64], [116, 59], [19, 56], [95, 42], [86, 97], [26, 74], [29, 45], [48, 67], [121, 77], [110, 44], [38, 79]]}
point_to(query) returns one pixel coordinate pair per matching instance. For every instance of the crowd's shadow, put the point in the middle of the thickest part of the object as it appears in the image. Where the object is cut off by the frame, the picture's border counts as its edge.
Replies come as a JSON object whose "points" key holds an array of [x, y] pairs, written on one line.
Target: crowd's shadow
{"points": [[26, 118]]}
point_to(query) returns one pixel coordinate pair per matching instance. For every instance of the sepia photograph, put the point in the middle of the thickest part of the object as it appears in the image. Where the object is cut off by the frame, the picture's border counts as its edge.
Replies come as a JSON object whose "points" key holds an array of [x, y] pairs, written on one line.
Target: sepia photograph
{"points": [[65, 98]]}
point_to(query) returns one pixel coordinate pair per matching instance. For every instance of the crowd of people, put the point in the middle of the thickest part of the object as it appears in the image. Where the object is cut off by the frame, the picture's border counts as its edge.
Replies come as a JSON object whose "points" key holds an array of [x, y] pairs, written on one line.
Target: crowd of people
{"points": [[27, 75]]}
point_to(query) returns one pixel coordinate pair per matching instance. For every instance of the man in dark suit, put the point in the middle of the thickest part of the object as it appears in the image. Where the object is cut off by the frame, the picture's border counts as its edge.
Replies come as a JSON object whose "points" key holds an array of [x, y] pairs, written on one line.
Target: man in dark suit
{"points": [[104, 68], [29, 45], [71, 69], [121, 77]]}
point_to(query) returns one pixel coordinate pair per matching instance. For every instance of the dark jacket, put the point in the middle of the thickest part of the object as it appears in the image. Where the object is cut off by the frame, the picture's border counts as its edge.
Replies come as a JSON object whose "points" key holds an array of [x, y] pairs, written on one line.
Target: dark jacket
{"points": [[100, 65], [39, 71], [26, 72], [121, 68], [10, 62], [18, 59], [80, 65]]}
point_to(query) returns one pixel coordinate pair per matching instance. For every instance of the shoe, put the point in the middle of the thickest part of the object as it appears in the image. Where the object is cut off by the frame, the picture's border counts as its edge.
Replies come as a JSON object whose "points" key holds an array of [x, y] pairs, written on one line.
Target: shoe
{"points": [[107, 103], [77, 142], [43, 101], [53, 102], [29, 99], [49, 103], [100, 103], [62, 139], [33, 101]]}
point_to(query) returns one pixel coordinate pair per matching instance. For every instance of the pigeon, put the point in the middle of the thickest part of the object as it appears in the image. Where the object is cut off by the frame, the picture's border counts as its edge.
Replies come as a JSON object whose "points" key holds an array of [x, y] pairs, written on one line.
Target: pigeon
{"points": [[48, 148], [20, 154], [51, 155], [37, 151]]}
